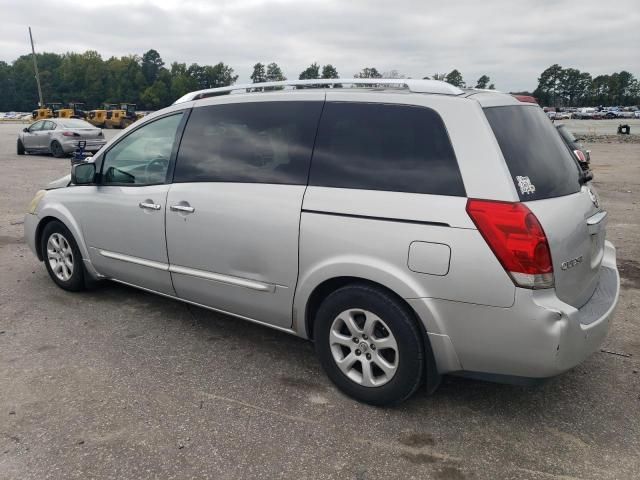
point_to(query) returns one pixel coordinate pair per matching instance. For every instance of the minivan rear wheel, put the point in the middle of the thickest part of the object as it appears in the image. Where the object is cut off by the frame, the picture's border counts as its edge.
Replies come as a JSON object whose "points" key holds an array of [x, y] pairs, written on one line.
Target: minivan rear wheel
{"points": [[369, 345]]}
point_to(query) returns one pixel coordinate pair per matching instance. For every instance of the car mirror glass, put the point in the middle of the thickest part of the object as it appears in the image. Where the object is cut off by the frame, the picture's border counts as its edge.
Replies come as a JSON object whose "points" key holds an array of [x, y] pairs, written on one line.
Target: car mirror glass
{"points": [[83, 173]]}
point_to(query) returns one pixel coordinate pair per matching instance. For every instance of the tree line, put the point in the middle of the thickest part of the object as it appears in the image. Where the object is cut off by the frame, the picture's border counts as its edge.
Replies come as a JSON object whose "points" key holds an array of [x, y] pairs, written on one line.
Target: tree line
{"points": [[569, 87], [87, 77], [146, 81]]}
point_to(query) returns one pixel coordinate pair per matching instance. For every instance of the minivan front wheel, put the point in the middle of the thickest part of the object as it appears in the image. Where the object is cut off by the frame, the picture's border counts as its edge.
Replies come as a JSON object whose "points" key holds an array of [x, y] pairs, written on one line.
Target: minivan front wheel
{"points": [[62, 257], [369, 345]]}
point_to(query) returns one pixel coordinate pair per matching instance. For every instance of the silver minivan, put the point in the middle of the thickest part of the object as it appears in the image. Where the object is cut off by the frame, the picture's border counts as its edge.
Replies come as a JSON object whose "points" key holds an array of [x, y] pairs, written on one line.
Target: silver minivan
{"points": [[409, 228]]}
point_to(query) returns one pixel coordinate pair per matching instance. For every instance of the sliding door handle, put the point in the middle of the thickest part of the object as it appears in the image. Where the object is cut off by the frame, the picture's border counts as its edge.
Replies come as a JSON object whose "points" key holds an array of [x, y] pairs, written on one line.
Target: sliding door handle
{"points": [[182, 208], [149, 206]]}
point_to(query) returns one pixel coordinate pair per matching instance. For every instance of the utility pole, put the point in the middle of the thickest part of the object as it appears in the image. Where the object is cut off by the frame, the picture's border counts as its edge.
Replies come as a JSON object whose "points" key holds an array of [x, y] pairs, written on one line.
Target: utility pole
{"points": [[35, 67]]}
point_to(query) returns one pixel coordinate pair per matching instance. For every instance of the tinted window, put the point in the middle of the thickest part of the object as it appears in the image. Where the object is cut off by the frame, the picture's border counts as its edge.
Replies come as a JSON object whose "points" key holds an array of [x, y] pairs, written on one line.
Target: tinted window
{"points": [[142, 157], [264, 142], [385, 147], [540, 163], [566, 134]]}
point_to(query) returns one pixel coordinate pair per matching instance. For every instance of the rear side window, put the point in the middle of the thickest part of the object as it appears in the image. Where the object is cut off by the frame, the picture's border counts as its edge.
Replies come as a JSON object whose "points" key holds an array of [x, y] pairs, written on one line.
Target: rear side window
{"points": [[396, 148], [540, 164], [262, 142]]}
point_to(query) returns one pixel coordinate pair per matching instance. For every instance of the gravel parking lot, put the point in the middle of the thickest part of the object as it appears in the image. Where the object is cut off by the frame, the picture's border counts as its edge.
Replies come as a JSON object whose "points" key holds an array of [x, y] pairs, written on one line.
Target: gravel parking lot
{"points": [[118, 383], [601, 127]]}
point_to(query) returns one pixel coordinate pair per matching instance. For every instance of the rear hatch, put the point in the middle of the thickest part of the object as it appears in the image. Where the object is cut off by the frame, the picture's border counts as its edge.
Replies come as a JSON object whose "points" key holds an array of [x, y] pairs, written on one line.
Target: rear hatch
{"points": [[549, 181]]}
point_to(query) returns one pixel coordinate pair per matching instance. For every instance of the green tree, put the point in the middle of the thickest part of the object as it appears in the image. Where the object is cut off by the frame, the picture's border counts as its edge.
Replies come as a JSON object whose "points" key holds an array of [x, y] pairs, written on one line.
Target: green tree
{"points": [[8, 98], [219, 75], [393, 74], [549, 85], [274, 73], [311, 72], [329, 71], [181, 81], [151, 65], [483, 82], [454, 77], [368, 72], [259, 74]]}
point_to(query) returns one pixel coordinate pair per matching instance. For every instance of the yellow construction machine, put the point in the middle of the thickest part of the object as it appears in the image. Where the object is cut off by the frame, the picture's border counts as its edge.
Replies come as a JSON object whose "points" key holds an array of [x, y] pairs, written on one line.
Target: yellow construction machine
{"points": [[48, 111], [73, 110], [113, 115], [122, 116]]}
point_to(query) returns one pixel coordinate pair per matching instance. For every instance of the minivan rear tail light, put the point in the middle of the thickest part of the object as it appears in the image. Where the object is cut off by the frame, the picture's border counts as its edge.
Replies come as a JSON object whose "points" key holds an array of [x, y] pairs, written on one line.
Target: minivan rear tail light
{"points": [[517, 239], [580, 156]]}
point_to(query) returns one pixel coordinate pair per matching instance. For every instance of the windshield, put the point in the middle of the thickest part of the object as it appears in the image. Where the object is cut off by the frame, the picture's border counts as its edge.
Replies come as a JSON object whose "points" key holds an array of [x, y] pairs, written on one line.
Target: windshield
{"points": [[540, 163]]}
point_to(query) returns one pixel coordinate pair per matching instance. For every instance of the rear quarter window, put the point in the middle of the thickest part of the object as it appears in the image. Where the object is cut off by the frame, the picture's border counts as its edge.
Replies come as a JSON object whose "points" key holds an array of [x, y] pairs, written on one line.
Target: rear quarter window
{"points": [[540, 163], [387, 147]]}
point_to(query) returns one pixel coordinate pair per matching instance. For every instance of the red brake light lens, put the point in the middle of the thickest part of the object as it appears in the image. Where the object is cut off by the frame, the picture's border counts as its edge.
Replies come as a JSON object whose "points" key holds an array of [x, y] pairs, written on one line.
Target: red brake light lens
{"points": [[70, 134], [516, 237], [580, 156]]}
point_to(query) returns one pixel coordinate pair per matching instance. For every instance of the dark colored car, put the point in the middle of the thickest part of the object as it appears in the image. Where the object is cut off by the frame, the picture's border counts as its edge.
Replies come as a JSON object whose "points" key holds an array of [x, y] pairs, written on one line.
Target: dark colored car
{"points": [[583, 156]]}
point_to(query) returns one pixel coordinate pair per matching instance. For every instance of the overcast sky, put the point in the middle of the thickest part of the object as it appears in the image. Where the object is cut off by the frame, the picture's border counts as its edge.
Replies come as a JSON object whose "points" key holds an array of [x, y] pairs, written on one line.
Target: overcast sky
{"points": [[512, 41]]}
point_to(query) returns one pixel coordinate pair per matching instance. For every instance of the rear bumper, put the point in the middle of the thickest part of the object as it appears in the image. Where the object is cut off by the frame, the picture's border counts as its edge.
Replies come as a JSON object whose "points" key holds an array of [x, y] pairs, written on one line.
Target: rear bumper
{"points": [[539, 336], [93, 145]]}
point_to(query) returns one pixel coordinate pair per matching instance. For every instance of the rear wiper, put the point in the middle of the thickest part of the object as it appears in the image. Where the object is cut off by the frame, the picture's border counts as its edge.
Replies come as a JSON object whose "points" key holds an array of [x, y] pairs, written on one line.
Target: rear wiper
{"points": [[585, 176]]}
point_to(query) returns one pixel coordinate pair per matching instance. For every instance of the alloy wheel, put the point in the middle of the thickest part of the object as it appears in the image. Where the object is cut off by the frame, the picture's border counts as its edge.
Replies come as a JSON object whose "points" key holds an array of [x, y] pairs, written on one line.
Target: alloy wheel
{"points": [[364, 347], [60, 257]]}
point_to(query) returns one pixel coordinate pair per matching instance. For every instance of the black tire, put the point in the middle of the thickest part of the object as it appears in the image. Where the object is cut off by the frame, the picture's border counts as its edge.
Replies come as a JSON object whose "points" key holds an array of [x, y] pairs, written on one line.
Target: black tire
{"points": [[56, 149], [411, 361], [20, 147], [75, 282]]}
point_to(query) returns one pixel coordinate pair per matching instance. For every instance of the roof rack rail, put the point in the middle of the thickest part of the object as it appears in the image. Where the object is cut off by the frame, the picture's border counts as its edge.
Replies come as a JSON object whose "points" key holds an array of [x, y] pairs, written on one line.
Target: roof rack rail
{"points": [[417, 86]]}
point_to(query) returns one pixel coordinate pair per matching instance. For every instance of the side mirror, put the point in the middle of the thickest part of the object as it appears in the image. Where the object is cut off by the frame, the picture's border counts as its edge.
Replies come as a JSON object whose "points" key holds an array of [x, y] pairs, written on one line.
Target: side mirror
{"points": [[83, 173], [25, 129]]}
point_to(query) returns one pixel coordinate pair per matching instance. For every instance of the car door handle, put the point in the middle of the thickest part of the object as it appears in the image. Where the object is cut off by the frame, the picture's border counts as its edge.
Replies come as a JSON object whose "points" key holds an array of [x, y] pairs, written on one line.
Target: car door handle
{"points": [[149, 206], [182, 208]]}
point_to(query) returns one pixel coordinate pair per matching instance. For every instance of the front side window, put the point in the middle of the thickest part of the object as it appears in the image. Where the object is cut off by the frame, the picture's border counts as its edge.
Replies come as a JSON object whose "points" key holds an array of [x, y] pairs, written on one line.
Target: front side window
{"points": [[49, 126], [142, 157], [262, 142], [36, 127], [397, 148]]}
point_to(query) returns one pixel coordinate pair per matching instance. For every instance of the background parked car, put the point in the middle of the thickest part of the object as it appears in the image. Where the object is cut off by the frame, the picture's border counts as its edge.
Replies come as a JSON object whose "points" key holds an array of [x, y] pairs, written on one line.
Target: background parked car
{"points": [[59, 136], [582, 155]]}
